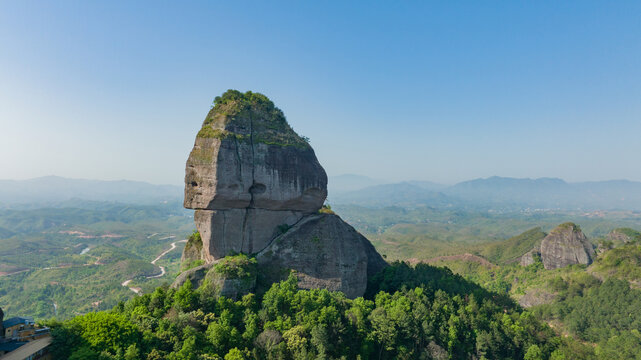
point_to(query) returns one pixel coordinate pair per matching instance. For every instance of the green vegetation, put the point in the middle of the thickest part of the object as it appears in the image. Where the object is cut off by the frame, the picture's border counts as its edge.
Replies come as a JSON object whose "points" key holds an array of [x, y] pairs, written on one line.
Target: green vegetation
{"points": [[238, 266], [448, 317], [65, 262], [250, 116], [326, 209], [209, 132], [631, 233], [283, 228], [423, 233], [595, 305], [567, 226], [512, 249], [623, 262]]}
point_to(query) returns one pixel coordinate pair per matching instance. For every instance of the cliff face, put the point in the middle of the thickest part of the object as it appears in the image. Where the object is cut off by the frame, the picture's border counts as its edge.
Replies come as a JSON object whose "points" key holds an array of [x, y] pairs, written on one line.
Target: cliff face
{"points": [[257, 187], [248, 174], [566, 245], [529, 257]]}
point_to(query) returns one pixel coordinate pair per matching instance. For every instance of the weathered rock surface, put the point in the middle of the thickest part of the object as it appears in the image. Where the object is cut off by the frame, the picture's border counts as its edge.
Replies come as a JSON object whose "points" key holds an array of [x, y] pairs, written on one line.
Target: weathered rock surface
{"points": [[529, 257], [233, 288], [566, 245], [240, 230], [194, 275], [325, 252], [536, 297], [248, 174], [192, 251]]}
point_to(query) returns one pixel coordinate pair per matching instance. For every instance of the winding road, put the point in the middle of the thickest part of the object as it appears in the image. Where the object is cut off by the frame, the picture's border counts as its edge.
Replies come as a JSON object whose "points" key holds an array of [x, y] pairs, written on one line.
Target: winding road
{"points": [[163, 271]]}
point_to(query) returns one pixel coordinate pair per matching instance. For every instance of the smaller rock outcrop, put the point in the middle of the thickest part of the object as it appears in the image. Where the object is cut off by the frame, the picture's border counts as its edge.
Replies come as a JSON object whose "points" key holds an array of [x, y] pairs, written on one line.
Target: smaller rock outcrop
{"points": [[325, 252], [623, 236], [566, 245], [530, 257], [192, 253], [233, 276], [534, 297]]}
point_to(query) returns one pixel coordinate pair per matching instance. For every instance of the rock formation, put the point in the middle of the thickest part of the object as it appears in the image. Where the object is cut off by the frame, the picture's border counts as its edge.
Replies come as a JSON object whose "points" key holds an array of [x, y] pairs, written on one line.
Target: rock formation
{"points": [[257, 188], [530, 257], [326, 253], [623, 236], [566, 245]]}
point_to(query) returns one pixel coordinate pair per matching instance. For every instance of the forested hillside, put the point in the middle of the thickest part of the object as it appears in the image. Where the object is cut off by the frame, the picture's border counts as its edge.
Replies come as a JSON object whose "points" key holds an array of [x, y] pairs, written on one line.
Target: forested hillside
{"points": [[410, 313]]}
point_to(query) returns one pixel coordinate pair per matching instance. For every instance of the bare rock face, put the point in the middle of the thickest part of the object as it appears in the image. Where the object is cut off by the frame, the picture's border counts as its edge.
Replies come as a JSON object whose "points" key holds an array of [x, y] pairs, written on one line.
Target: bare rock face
{"points": [[566, 245], [246, 230], [248, 174], [325, 252], [529, 257], [257, 188], [536, 297]]}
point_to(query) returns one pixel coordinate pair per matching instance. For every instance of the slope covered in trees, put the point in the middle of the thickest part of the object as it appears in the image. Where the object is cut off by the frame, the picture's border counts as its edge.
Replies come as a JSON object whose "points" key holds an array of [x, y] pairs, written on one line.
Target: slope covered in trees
{"points": [[423, 312]]}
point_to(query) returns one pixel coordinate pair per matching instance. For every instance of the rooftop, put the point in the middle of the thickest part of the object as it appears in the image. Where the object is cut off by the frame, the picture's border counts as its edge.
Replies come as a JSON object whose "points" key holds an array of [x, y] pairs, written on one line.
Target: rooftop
{"points": [[17, 321]]}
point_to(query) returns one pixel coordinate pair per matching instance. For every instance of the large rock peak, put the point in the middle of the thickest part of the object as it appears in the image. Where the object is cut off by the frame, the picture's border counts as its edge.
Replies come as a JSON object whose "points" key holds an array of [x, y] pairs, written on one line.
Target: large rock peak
{"points": [[566, 245], [251, 179], [247, 156], [248, 175]]}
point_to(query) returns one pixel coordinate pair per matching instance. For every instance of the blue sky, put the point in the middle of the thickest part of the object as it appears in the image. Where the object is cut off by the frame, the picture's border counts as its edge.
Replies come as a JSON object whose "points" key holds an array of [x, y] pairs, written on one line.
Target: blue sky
{"points": [[442, 91]]}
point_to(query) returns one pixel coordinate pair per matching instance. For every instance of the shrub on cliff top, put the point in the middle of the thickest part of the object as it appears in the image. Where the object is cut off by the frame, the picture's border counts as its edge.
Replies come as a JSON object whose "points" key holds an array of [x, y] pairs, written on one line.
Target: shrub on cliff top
{"points": [[236, 267]]}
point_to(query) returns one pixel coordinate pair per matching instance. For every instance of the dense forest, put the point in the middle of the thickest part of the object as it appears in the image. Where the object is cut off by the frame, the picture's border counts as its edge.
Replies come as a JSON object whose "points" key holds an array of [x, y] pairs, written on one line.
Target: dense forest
{"points": [[408, 313]]}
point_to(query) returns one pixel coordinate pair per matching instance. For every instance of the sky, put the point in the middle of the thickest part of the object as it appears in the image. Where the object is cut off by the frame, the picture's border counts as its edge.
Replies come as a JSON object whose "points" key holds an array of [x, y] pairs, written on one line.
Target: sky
{"points": [[395, 90]]}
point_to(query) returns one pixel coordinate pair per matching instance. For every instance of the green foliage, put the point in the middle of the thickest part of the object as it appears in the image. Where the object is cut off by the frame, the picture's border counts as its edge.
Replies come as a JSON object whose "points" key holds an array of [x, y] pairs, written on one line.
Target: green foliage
{"points": [[622, 262], [326, 209], [238, 266], [288, 323], [208, 132], [283, 228], [512, 248], [250, 116], [567, 226], [82, 272], [630, 233]]}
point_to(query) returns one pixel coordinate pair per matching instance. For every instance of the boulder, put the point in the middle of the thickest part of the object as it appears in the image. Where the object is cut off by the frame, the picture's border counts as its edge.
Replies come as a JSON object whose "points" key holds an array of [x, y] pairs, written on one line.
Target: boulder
{"points": [[195, 276], [530, 257], [566, 245], [534, 297], [325, 252]]}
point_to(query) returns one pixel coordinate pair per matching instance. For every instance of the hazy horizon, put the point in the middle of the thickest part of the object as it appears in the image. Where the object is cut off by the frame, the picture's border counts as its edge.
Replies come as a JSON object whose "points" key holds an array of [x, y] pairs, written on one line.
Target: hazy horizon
{"points": [[431, 91], [379, 181]]}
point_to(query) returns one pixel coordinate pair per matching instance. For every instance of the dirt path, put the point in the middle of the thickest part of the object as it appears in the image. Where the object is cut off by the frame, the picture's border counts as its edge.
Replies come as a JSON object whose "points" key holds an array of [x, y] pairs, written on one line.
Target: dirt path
{"points": [[163, 271]]}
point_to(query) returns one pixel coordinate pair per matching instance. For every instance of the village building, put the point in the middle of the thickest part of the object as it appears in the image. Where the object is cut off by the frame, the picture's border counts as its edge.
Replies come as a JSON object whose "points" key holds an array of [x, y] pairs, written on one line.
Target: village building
{"points": [[22, 339]]}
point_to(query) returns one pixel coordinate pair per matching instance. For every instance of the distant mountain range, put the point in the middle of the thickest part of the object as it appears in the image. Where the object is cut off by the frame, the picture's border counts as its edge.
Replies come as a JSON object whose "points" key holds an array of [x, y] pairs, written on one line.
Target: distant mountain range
{"points": [[54, 189], [499, 193]]}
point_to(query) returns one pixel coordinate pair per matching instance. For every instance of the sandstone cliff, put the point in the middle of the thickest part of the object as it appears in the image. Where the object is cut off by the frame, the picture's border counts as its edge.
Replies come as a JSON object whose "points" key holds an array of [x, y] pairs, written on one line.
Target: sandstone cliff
{"points": [[248, 174], [530, 257], [566, 245], [257, 188]]}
